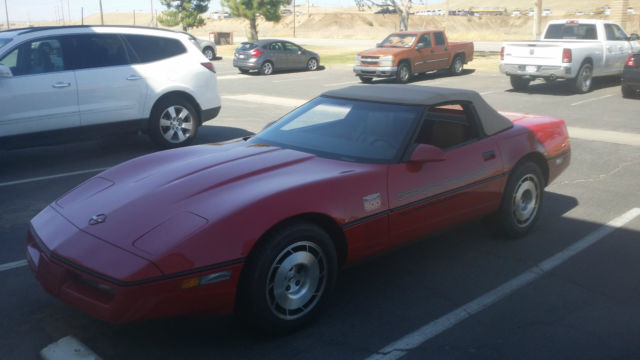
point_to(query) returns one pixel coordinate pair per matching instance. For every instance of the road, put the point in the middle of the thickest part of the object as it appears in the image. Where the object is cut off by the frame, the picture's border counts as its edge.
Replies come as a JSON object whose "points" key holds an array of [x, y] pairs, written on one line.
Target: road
{"points": [[568, 290]]}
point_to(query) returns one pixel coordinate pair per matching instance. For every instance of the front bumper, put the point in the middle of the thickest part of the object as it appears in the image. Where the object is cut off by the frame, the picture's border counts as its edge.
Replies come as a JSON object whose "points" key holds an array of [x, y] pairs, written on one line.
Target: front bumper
{"points": [[120, 300], [375, 71], [538, 71]]}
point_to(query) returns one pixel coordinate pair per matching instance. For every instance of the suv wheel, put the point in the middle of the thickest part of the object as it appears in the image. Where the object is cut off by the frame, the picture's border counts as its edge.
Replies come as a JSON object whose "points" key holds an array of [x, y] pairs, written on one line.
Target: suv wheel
{"points": [[174, 122]]}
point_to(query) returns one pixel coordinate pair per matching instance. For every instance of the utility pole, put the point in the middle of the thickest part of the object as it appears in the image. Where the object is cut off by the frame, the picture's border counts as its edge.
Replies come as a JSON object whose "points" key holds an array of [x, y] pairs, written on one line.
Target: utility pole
{"points": [[6, 11], [82, 16], [101, 16], [68, 12], [294, 18], [62, 12], [537, 19], [134, 17], [151, 1]]}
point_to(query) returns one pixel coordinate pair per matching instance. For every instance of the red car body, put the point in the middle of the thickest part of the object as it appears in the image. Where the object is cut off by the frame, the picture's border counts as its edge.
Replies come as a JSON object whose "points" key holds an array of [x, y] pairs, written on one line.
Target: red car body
{"points": [[169, 233]]}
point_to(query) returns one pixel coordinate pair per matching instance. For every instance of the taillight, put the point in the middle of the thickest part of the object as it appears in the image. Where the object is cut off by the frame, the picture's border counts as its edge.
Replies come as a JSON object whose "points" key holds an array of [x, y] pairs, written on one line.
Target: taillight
{"points": [[209, 66], [566, 56], [256, 53], [631, 62], [502, 53]]}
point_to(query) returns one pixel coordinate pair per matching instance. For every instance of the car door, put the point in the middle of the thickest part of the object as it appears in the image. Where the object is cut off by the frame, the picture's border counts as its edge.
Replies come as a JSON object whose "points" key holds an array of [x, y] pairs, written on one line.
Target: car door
{"points": [[434, 195], [42, 93], [277, 54], [109, 88], [618, 48], [440, 52], [424, 54], [295, 56]]}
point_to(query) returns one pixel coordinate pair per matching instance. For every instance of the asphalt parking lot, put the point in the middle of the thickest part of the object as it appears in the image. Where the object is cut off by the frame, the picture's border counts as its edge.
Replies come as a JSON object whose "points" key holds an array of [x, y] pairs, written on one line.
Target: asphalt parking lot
{"points": [[568, 290]]}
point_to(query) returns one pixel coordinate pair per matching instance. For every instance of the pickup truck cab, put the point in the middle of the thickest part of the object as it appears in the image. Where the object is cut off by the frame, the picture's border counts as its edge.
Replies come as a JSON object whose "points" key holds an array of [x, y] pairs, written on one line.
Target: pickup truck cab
{"points": [[403, 54], [577, 50]]}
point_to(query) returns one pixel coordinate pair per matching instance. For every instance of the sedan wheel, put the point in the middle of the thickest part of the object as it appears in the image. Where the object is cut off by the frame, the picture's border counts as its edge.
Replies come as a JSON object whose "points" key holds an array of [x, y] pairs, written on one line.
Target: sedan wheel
{"points": [[173, 123], [287, 278], [521, 201], [209, 53], [312, 64]]}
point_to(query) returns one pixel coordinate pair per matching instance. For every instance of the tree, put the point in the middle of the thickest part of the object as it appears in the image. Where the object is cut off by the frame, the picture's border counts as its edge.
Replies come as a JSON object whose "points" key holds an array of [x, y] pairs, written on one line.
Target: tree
{"points": [[402, 7], [251, 9], [183, 12]]}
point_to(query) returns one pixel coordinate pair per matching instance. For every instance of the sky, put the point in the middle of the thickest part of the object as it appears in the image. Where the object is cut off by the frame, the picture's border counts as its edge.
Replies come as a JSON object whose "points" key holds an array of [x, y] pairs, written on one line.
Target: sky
{"points": [[39, 10]]}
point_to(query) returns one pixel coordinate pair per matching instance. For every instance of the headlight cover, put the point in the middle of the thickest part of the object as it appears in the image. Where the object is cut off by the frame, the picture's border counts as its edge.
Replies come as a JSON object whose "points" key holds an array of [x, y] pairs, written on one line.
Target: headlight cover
{"points": [[386, 61]]}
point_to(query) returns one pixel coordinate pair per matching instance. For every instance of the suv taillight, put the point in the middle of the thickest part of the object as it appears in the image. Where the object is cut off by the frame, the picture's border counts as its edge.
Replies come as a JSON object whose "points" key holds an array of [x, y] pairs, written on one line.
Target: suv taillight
{"points": [[209, 66], [256, 53], [502, 53], [631, 62], [566, 56]]}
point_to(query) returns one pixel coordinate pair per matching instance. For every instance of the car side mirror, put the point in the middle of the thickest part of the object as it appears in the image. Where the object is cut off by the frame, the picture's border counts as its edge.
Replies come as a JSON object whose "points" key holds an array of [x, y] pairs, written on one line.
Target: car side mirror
{"points": [[634, 37], [419, 46], [5, 72], [424, 153]]}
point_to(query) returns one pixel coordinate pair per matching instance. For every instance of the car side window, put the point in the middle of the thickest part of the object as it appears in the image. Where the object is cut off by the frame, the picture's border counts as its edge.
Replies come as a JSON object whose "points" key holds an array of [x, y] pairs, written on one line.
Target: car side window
{"points": [[439, 38], [99, 50], [152, 48], [276, 46], [448, 125], [291, 47], [425, 40], [614, 32], [36, 57]]}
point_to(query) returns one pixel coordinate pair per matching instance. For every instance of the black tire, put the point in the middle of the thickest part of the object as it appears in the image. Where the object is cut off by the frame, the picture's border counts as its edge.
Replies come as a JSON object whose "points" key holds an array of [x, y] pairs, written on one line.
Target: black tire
{"points": [[209, 53], [403, 73], [244, 71], [457, 65], [266, 68], [628, 92], [174, 122], [312, 64], [521, 202], [519, 83], [287, 279], [584, 78], [366, 80]]}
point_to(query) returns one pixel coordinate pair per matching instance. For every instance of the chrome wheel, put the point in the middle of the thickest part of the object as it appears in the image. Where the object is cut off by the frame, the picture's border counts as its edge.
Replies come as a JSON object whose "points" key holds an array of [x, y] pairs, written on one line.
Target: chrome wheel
{"points": [[456, 67], [312, 64], [526, 199], [403, 73], [266, 68], [584, 78], [176, 124], [296, 280]]}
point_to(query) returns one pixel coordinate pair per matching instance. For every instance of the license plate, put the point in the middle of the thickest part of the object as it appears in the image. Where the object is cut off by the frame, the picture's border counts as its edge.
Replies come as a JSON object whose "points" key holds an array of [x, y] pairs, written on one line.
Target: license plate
{"points": [[241, 56], [531, 68]]}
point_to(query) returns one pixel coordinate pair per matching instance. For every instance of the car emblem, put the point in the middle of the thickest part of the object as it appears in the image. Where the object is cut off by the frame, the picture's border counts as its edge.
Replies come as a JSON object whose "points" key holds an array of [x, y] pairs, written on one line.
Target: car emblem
{"points": [[97, 219]]}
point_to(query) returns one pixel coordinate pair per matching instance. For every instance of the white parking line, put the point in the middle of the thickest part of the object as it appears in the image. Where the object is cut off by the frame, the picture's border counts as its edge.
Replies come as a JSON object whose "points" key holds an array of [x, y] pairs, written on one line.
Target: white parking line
{"points": [[18, 182], [614, 137], [409, 342], [592, 99], [68, 348], [236, 76], [13, 265], [341, 83]]}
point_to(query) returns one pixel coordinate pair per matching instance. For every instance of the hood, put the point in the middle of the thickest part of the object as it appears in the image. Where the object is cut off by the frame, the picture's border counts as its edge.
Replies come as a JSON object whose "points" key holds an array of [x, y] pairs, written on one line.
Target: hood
{"points": [[382, 51], [125, 202]]}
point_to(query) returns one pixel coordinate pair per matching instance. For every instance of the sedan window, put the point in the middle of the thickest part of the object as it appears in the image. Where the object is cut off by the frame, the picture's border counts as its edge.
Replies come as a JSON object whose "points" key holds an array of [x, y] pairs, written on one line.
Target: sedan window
{"points": [[447, 126]]}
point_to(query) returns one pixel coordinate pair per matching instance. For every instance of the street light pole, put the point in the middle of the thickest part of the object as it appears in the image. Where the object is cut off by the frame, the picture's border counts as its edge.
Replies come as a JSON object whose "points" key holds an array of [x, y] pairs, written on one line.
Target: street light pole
{"points": [[6, 11], [294, 18], [101, 16]]}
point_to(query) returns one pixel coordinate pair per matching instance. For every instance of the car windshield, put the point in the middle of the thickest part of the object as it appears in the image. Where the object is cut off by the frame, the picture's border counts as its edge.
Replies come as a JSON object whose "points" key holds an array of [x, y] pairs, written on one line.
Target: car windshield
{"points": [[4, 41], [343, 129], [399, 40]]}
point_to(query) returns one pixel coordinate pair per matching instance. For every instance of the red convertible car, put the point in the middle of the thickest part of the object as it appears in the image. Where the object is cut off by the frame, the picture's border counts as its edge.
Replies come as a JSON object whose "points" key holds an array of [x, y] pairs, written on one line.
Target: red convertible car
{"points": [[260, 226]]}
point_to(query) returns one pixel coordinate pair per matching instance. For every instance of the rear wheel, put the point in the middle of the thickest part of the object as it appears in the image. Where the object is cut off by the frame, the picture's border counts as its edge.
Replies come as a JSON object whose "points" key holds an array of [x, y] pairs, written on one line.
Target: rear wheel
{"points": [[457, 65], [521, 201], [312, 64], [287, 278], [519, 83], [582, 82], [209, 53], [403, 73], [266, 68], [173, 123]]}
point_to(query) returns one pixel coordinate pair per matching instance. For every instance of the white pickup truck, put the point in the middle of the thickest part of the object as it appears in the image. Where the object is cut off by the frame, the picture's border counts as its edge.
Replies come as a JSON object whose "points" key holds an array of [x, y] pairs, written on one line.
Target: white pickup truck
{"points": [[577, 50]]}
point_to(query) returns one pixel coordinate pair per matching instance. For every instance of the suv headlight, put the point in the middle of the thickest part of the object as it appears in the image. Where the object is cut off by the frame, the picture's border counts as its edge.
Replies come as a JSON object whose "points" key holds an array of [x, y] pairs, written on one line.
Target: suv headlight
{"points": [[358, 59], [386, 61]]}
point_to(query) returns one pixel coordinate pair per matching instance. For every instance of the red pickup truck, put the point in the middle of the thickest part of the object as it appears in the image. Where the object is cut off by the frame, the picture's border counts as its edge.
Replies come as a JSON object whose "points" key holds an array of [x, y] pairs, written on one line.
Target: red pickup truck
{"points": [[404, 54]]}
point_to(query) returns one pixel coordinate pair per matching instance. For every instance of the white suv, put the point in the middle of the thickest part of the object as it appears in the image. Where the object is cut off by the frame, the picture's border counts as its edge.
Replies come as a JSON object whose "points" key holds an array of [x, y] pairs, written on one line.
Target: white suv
{"points": [[65, 83]]}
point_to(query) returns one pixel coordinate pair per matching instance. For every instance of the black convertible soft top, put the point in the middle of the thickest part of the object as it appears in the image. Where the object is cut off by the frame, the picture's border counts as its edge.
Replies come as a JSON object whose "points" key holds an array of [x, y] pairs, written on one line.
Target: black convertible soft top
{"points": [[491, 120]]}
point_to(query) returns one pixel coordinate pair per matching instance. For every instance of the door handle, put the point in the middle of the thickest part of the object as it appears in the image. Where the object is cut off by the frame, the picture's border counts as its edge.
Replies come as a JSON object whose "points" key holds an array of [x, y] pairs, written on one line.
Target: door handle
{"points": [[432, 51], [488, 155], [134, 77], [61, 84]]}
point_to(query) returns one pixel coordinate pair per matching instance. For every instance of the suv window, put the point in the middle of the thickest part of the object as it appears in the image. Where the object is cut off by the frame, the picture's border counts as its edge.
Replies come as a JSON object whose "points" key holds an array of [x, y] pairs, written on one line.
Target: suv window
{"points": [[36, 57], [614, 32], [98, 50], [153, 48], [571, 31], [439, 38]]}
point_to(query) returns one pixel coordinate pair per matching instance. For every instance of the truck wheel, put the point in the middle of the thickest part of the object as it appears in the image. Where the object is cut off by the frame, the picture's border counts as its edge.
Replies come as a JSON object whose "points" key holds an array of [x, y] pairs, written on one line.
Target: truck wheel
{"points": [[457, 65], [582, 82], [403, 73], [519, 83], [366, 80]]}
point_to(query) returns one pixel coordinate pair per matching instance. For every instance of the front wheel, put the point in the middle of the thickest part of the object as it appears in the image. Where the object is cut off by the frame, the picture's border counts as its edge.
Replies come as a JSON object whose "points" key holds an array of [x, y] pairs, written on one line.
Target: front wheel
{"points": [[312, 64], [403, 73], [519, 83], [457, 65], [287, 278], [582, 82], [173, 123], [521, 201]]}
